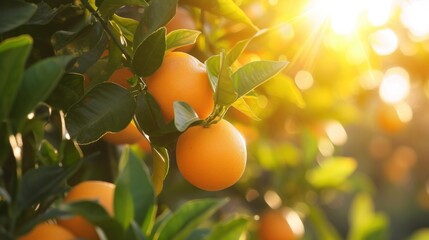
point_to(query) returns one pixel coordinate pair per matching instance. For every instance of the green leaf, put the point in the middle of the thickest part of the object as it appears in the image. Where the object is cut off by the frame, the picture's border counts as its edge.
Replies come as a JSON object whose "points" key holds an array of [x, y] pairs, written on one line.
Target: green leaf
{"points": [[14, 14], [52, 213], [13, 56], [135, 181], [224, 8], [243, 106], [37, 84], [184, 115], [150, 119], [87, 44], [155, 16], [322, 226], [48, 154], [181, 37], [364, 222], [254, 74], [331, 172], [105, 108], [41, 183], [45, 13], [236, 51], [127, 26], [97, 215], [213, 70], [231, 229], [109, 7], [225, 93], [161, 165], [420, 234], [5, 195], [70, 152], [68, 91], [284, 87], [150, 53], [190, 215]]}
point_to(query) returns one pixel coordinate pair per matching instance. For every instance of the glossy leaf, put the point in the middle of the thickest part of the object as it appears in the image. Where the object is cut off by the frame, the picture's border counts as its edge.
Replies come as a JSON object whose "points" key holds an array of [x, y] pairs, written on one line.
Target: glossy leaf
{"points": [[149, 117], [87, 44], [70, 152], [150, 53], [45, 13], [38, 82], [230, 229], [105, 108], [225, 94], [185, 219], [254, 74], [331, 172], [108, 7], [50, 214], [127, 26], [224, 8], [40, 183], [184, 115], [284, 87], [135, 181], [243, 106], [97, 215], [161, 165], [213, 70], [181, 37], [14, 14], [156, 15], [68, 91], [237, 50], [13, 56], [48, 154]]}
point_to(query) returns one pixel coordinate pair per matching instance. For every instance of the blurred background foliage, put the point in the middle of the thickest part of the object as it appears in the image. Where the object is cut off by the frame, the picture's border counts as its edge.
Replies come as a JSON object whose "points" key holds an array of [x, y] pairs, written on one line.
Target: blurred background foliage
{"points": [[340, 146]]}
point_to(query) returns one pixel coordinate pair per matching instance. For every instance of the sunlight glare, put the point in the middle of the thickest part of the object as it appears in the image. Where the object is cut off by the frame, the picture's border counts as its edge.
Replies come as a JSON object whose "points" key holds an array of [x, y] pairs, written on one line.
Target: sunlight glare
{"points": [[379, 12], [336, 133], [295, 222], [272, 199], [395, 85], [371, 80], [405, 113], [304, 80], [384, 41], [344, 17], [415, 17]]}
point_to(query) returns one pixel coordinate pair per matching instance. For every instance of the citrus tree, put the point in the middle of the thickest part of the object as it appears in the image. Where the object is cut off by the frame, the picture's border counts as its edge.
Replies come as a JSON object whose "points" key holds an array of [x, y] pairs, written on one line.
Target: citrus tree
{"points": [[199, 119]]}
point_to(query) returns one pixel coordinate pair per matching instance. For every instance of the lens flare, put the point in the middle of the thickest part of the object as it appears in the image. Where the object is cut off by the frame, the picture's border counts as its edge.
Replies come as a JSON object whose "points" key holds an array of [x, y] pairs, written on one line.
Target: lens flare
{"points": [[384, 42], [395, 86]]}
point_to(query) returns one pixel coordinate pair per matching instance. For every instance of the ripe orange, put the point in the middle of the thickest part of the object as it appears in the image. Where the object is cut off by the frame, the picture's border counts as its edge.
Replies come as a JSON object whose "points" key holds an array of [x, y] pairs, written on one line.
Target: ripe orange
{"points": [[47, 231], [181, 20], [145, 145], [128, 135], [211, 158], [120, 77], [274, 226], [181, 77], [88, 190]]}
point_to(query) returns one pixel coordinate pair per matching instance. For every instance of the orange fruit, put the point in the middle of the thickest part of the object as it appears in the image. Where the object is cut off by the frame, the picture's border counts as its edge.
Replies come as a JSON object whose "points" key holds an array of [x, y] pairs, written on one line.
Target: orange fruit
{"points": [[274, 226], [211, 158], [88, 190], [47, 231], [181, 20], [388, 119], [120, 77], [145, 145], [181, 77], [128, 135]]}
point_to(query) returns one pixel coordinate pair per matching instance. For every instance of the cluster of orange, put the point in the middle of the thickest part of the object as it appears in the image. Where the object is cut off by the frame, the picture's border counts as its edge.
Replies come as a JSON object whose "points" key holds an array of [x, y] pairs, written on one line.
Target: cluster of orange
{"points": [[211, 158]]}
